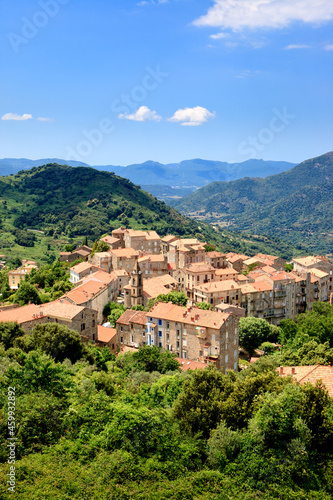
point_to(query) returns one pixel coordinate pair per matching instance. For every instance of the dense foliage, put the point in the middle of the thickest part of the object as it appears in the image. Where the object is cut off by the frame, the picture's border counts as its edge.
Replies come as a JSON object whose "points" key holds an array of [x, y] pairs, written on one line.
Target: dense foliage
{"points": [[297, 204], [137, 427]]}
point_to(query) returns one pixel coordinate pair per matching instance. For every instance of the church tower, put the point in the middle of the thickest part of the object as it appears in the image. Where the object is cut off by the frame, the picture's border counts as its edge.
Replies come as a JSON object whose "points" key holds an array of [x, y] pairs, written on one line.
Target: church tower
{"points": [[136, 286]]}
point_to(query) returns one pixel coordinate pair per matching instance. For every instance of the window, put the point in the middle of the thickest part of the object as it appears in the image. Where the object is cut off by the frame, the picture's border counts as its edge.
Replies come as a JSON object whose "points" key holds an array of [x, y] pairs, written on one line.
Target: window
{"points": [[93, 337], [160, 322], [83, 327], [226, 358], [177, 344], [121, 340], [213, 338], [160, 344], [185, 343], [93, 323], [160, 333], [121, 328], [184, 354], [200, 353], [168, 326], [131, 326], [132, 338]]}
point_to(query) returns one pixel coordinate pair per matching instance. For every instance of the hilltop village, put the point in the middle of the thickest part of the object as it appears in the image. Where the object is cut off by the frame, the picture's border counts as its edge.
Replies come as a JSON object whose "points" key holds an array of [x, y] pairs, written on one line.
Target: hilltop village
{"points": [[135, 267]]}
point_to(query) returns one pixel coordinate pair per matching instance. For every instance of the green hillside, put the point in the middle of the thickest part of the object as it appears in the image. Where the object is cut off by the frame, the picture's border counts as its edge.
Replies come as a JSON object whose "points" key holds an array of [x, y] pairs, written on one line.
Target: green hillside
{"points": [[295, 205], [46, 207]]}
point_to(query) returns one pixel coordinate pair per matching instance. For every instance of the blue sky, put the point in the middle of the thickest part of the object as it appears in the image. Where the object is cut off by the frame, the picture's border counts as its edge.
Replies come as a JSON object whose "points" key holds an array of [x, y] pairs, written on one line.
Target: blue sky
{"points": [[122, 81]]}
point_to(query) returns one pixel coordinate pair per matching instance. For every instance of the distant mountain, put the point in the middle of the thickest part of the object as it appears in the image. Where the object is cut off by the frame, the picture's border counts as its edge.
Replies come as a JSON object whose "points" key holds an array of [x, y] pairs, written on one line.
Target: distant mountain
{"points": [[195, 173], [186, 174], [10, 166], [296, 205]]}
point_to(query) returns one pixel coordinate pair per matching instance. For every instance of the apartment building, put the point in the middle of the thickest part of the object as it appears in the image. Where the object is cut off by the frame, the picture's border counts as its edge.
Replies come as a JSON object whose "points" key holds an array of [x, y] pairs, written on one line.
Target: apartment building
{"points": [[215, 292], [193, 334], [192, 276], [143, 241], [124, 259], [153, 265], [186, 251]]}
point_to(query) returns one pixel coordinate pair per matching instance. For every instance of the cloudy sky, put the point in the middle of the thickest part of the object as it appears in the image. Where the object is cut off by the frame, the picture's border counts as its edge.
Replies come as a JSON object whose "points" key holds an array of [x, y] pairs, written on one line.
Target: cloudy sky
{"points": [[122, 81]]}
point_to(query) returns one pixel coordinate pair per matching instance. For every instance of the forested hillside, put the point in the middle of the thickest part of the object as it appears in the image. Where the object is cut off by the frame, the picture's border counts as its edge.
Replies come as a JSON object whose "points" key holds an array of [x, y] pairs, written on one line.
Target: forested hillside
{"points": [[51, 205], [297, 204]]}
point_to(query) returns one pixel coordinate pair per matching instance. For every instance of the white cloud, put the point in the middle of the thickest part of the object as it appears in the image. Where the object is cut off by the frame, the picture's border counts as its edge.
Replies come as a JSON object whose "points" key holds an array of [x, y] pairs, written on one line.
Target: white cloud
{"points": [[143, 114], [328, 47], [192, 116], [300, 46], [41, 119], [253, 14], [14, 116], [218, 36]]}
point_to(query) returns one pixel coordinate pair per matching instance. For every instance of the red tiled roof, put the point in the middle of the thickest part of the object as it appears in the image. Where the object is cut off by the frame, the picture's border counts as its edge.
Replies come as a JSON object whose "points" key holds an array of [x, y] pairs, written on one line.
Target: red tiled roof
{"points": [[105, 334], [138, 317], [186, 364], [312, 373]]}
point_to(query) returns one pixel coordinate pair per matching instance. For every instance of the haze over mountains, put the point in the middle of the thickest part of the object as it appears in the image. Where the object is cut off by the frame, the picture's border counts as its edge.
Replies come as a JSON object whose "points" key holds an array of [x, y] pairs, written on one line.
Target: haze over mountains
{"points": [[190, 174], [296, 204]]}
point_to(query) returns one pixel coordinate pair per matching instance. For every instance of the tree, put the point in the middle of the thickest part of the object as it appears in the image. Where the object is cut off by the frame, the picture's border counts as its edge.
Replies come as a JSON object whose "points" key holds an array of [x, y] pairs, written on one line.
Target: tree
{"points": [[204, 306], [57, 341], [252, 333], [26, 293], [149, 359], [100, 246], [198, 407], [9, 331], [309, 353], [115, 315]]}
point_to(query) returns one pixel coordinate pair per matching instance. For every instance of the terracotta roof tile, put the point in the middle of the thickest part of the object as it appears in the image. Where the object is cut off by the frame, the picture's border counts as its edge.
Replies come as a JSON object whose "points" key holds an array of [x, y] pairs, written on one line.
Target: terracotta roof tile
{"points": [[312, 373], [105, 334], [194, 315]]}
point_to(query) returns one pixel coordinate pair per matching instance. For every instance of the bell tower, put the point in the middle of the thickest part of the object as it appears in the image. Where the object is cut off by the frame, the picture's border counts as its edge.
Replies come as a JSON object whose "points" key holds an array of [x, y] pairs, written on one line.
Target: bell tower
{"points": [[136, 286]]}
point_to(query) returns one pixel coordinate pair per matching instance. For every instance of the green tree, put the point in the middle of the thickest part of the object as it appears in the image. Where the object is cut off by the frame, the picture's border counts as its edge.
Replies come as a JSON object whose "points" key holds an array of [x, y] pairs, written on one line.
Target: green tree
{"points": [[198, 407], [57, 341], [252, 333], [115, 315], [26, 293], [9, 331], [148, 359]]}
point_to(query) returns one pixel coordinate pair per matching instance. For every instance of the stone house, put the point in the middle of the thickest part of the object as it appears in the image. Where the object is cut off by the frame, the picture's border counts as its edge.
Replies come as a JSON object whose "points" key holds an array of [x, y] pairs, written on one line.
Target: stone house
{"points": [[228, 292], [79, 318], [194, 334], [194, 275]]}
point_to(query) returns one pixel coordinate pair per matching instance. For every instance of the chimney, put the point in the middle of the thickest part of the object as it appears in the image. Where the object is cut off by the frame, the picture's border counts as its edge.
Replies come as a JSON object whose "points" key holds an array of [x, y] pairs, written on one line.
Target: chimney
{"points": [[281, 370]]}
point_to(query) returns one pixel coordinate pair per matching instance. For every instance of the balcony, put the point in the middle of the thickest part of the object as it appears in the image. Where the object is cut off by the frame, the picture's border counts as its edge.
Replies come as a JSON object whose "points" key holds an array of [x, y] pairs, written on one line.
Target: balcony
{"points": [[279, 293]]}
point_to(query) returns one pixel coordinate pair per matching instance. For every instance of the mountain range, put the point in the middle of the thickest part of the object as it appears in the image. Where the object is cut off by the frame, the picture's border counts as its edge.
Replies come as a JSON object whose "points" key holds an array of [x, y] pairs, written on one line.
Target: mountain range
{"points": [[189, 175], [296, 204]]}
